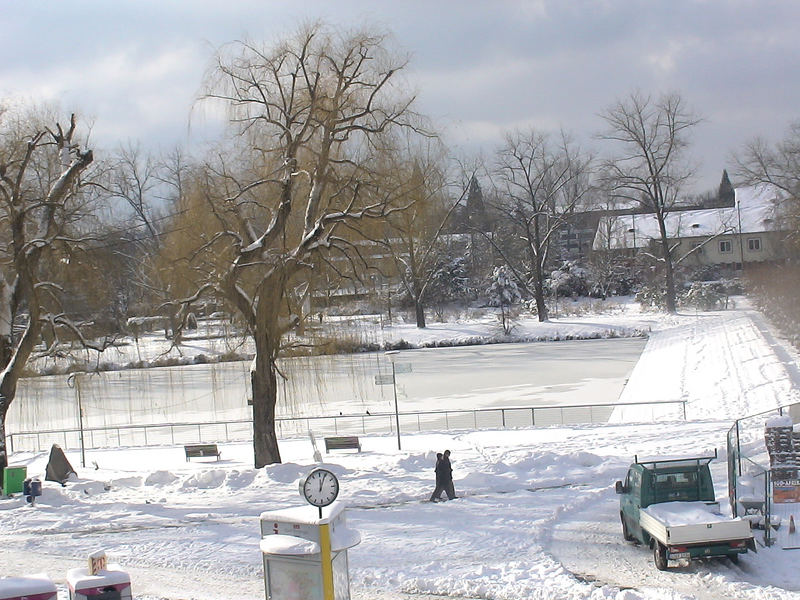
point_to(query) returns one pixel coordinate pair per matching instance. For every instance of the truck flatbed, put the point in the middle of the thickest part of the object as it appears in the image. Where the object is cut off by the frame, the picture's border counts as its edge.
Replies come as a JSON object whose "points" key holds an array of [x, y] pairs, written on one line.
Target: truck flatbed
{"points": [[691, 523]]}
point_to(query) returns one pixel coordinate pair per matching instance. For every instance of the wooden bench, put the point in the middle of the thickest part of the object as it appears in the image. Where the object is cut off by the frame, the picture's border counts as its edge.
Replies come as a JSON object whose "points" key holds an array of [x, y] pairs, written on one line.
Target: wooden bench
{"points": [[201, 450], [342, 443]]}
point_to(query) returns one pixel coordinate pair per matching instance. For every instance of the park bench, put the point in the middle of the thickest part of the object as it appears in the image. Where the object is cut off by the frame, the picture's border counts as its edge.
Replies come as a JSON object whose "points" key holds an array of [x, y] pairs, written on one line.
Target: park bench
{"points": [[342, 443], [201, 450]]}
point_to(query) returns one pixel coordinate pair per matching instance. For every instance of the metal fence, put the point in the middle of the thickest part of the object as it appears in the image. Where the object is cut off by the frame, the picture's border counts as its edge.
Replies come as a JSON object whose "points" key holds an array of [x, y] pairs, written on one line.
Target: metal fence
{"points": [[377, 424], [753, 476]]}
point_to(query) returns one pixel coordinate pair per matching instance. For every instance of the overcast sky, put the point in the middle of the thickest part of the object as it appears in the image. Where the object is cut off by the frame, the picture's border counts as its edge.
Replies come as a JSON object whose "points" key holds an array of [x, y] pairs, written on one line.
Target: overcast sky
{"points": [[479, 68]]}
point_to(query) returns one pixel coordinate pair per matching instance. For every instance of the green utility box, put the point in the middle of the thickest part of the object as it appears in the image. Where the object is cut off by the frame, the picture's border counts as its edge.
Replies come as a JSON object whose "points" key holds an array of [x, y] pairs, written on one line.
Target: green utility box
{"points": [[13, 479]]}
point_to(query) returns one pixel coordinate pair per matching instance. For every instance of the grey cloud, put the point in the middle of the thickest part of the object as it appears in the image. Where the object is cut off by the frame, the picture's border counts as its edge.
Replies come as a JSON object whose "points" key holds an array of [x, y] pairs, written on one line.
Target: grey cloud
{"points": [[479, 67]]}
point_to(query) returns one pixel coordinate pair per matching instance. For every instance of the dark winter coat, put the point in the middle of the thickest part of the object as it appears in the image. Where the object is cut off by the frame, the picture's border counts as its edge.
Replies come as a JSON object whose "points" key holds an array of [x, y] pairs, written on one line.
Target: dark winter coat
{"points": [[446, 470], [441, 472]]}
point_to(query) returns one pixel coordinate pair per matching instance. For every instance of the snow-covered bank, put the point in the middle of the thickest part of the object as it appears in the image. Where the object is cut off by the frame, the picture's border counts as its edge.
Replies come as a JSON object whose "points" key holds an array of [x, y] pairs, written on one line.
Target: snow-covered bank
{"points": [[215, 341], [536, 516]]}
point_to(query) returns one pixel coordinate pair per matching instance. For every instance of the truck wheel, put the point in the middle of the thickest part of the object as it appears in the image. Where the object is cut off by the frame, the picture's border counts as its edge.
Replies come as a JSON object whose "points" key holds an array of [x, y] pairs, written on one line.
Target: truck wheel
{"points": [[625, 533], [734, 558], [660, 556]]}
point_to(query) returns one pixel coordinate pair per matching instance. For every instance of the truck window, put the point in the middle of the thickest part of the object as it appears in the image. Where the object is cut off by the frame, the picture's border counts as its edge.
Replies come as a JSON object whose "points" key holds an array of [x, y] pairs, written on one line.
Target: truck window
{"points": [[634, 481], [680, 486]]}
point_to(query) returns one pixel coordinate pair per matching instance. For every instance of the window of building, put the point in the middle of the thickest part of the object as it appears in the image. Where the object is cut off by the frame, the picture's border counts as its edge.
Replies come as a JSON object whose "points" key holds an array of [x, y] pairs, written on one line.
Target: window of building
{"points": [[754, 244], [725, 246]]}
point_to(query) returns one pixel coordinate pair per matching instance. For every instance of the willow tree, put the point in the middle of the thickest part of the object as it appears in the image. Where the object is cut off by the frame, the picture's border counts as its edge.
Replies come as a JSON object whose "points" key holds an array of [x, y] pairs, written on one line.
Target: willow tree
{"points": [[40, 169], [309, 114]]}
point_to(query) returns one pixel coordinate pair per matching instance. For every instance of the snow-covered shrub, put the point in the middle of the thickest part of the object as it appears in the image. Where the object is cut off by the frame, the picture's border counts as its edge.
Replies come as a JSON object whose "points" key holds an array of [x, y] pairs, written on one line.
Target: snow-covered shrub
{"points": [[503, 292], [652, 296], [568, 280], [705, 296]]}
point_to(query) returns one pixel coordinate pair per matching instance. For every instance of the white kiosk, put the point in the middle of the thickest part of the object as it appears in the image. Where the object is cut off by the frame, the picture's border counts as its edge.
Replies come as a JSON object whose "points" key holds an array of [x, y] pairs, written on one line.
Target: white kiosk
{"points": [[31, 587], [99, 581], [305, 550]]}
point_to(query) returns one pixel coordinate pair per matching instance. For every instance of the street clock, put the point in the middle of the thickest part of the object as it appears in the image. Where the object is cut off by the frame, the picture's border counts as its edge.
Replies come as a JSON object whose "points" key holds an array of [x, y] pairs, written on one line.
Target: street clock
{"points": [[320, 487]]}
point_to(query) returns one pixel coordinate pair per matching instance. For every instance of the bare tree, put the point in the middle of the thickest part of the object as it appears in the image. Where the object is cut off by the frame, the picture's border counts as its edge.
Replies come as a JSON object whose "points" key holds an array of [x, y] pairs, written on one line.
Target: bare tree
{"points": [[650, 171], [540, 182], [134, 177], [413, 236], [779, 166], [310, 113], [40, 170]]}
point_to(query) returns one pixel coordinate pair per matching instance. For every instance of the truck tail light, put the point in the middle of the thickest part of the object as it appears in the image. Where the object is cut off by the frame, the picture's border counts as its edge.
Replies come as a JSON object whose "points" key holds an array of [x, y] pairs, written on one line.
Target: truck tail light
{"points": [[739, 544], [677, 549]]}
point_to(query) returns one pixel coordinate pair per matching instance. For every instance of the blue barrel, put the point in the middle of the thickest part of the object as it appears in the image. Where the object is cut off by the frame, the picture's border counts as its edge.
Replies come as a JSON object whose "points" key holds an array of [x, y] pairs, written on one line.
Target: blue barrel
{"points": [[26, 487], [36, 487]]}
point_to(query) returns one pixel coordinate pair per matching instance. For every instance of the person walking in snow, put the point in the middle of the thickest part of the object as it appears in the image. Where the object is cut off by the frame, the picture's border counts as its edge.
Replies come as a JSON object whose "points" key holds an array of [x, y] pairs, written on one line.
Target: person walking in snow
{"points": [[447, 476], [437, 492]]}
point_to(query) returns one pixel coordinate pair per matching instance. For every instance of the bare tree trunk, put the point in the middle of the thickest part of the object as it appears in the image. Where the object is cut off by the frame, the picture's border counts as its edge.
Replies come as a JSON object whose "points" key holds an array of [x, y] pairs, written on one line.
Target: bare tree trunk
{"points": [[4, 405], [669, 269], [538, 292], [265, 396], [8, 391], [419, 310]]}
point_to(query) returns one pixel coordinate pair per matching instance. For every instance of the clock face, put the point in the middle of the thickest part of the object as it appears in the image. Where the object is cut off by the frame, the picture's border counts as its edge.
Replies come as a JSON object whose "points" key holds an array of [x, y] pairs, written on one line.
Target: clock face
{"points": [[320, 487]]}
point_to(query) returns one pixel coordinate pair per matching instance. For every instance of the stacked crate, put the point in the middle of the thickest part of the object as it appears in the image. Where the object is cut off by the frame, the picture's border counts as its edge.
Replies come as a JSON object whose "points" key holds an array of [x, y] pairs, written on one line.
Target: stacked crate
{"points": [[783, 445]]}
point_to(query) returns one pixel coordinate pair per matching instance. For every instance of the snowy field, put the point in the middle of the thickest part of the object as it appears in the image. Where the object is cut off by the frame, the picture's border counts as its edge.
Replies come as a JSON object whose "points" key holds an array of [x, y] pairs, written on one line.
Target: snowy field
{"points": [[536, 517]]}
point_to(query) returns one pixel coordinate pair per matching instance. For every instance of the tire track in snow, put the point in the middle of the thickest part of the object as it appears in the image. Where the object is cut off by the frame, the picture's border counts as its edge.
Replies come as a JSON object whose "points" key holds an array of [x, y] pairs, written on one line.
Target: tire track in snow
{"points": [[605, 558]]}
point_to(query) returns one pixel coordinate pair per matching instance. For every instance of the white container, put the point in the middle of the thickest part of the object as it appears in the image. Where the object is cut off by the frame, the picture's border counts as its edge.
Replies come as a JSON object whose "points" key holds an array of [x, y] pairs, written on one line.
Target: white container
{"points": [[109, 584], [305, 555], [31, 587]]}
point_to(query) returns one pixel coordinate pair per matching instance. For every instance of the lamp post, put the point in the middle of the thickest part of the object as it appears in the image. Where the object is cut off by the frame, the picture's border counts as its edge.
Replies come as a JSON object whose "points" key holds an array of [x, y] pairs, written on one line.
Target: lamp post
{"points": [[75, 379], [391, 354]]}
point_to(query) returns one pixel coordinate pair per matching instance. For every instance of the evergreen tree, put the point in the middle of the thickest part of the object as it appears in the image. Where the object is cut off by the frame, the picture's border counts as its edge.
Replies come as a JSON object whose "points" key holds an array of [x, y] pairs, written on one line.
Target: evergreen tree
{"points": [[477, 219], [726, 194]]}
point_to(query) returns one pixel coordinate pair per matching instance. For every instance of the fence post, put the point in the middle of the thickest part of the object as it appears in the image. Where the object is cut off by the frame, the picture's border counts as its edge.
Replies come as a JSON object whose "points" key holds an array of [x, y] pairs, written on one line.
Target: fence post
{"points": [[767, 508], [738, 448], [503, 415], [684, 409]]}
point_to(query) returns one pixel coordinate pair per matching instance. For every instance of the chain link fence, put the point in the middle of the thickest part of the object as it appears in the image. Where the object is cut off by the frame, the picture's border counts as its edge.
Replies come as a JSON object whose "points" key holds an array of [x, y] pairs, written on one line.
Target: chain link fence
{"points": [[364, 424], [763, 468]]}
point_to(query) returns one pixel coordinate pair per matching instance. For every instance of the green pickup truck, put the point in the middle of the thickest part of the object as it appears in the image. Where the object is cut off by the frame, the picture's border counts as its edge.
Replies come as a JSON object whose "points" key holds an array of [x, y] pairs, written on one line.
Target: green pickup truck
{"points": [[669, 505]]}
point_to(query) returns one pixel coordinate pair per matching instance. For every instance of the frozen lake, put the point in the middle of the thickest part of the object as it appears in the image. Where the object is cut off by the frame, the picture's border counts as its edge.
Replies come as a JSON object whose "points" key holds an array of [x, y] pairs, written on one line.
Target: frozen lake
{"points": [[465, 377]]}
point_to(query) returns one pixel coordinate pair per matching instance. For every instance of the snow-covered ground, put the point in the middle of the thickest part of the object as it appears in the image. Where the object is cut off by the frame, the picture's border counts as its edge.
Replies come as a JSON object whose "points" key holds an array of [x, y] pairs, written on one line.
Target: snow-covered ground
{"points": [[536, 516]]}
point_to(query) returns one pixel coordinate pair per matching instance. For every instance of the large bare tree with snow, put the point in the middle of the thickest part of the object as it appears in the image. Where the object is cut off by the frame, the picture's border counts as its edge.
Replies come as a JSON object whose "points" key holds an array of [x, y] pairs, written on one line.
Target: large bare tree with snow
{"points": [[40, 203], [778, 164], [650, 170], [310, 114], [540, 181]]}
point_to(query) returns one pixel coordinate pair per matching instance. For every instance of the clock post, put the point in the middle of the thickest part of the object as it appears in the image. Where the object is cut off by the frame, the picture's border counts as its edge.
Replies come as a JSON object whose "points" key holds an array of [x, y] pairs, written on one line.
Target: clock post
{"points": [[305, 552]]}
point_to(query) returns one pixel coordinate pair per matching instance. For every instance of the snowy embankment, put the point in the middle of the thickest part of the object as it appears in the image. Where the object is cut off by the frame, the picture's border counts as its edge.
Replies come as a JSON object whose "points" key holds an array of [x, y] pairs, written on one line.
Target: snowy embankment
{"points": [[536, 515], [214, 340]]}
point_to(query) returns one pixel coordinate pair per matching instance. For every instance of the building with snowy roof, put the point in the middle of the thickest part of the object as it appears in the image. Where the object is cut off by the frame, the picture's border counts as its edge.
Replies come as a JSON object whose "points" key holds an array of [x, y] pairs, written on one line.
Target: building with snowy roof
{"points": [[750, 231]]}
